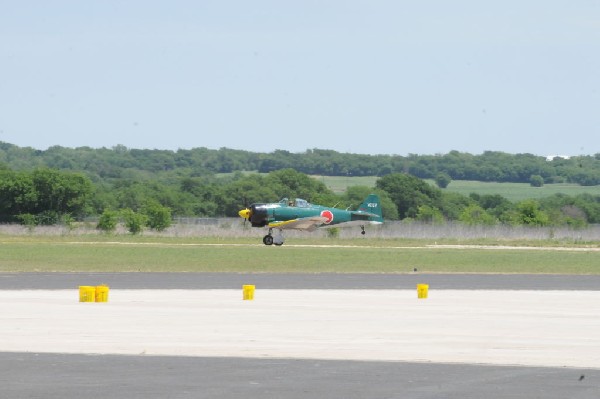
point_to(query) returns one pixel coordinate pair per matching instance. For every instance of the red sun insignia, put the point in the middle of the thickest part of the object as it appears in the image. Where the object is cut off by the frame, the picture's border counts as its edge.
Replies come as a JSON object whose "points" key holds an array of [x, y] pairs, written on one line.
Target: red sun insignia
{"points": [[328, 215]]}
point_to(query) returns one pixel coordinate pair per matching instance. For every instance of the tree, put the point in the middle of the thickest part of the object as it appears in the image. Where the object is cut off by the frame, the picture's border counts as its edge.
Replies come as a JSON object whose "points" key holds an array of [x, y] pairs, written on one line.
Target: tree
{"points": [[244, 191], [442, 180], [17, 196], [475, 214], [590, 204], [296, 184], [429, 214], [47, 194], [200, 195], [452, 204], [61, 192], [494, 204], [408, 193], [528, 213], [536, 181]]}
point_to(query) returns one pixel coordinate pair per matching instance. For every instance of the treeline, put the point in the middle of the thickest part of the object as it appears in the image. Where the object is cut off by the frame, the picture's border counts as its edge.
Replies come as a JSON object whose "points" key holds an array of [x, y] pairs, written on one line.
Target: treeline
{"points": [[120, 162], [50, 196]]}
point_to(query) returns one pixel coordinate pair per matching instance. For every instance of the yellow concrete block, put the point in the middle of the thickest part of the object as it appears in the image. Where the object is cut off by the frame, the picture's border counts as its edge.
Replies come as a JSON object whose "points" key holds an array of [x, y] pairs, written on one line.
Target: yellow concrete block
{"points": [[248, 292], [102, 293], [422, 291], [87, 293]]}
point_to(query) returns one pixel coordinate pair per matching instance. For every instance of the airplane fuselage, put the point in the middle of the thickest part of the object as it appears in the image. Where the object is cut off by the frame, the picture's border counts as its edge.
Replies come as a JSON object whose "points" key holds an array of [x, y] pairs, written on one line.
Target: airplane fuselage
{"points": [[302, 215]]}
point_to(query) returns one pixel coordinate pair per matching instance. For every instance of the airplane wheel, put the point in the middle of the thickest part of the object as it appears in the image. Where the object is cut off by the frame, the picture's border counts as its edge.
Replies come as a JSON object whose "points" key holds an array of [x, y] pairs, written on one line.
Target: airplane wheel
{"points": [[268, 240], [363, 232], [278, 244]]}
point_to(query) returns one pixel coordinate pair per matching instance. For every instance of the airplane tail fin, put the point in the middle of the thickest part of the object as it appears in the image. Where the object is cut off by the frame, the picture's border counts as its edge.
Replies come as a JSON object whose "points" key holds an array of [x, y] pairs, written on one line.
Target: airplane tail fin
{"points": [[372, 205]]}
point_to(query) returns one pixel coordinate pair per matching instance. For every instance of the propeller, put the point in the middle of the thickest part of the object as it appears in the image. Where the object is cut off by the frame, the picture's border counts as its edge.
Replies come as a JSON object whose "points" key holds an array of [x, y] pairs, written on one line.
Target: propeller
{"points": [[256, 214], [245, 213]]}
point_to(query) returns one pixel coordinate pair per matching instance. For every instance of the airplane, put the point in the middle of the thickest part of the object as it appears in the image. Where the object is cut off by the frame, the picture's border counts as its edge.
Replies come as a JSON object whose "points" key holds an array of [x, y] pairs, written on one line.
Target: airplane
{"points": [[302, 215]]}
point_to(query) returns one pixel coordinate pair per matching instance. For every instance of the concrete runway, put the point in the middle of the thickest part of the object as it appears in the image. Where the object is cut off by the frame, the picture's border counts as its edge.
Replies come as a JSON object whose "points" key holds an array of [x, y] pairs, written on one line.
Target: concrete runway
{"points": [[246, 350]]}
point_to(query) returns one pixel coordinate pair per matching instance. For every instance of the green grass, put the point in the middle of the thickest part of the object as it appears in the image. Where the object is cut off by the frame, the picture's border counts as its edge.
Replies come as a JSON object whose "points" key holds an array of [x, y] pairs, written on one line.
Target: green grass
{"points": [[32, 254], [511, 191], [519, 191]]}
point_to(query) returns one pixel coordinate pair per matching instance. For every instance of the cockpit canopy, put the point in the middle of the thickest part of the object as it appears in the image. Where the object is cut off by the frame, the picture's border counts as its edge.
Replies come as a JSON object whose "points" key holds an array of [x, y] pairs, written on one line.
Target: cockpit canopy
{"points": [[302, 203], [299, 202]]}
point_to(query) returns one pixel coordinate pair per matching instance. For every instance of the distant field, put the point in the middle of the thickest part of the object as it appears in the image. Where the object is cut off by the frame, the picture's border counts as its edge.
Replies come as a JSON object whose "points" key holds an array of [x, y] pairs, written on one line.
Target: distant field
{"points": [[519, 191], [511, 191], [339, 184]]}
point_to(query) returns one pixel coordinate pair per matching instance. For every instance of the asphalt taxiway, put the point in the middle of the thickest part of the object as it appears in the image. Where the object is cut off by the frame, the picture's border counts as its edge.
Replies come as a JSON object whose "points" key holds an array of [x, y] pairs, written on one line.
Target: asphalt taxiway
{"points": [[318, 281]]}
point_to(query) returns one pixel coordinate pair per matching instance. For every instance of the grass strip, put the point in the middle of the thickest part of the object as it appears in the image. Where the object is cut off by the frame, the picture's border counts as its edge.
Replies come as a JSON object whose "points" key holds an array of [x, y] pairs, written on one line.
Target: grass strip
{"points": [[173, 256]]}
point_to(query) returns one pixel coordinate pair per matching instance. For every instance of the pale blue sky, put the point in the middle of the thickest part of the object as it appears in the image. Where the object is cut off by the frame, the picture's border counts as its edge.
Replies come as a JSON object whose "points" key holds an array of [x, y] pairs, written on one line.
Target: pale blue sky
{"points": [[372, 77]]}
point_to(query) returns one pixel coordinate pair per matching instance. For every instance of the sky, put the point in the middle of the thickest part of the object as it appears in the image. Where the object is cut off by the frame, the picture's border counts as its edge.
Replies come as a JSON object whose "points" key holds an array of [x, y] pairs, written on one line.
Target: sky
{"points": [[368, 77]]}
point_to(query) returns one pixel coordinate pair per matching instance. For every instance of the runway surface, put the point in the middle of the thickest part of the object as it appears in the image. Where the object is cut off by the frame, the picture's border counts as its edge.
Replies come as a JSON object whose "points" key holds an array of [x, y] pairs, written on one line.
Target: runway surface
{"points": [[43, 376], [315, 336]]}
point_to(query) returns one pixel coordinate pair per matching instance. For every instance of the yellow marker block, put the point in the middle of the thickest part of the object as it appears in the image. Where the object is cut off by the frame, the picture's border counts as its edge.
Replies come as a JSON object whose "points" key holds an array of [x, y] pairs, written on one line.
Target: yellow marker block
{"points": [[102, 293], [87, 293], [422, 290], [248, 292]]}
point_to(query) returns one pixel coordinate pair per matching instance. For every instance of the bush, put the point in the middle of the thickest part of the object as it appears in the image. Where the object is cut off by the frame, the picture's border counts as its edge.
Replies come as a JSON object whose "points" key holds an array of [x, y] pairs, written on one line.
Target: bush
{"points": [[333, 232], [158, 216], [27, 219], [47, 218], [108, 221], [134, 222]]}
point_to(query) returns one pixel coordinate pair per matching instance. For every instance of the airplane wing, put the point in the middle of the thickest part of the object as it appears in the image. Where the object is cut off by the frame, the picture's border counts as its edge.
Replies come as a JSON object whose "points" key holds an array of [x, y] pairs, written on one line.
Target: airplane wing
{"points": [[308, 224], [352, 223]]}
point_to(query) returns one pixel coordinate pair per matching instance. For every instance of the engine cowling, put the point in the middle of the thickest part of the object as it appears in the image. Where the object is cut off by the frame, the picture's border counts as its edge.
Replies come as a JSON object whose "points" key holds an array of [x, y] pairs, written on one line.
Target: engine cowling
{"points": [[259, 215]]}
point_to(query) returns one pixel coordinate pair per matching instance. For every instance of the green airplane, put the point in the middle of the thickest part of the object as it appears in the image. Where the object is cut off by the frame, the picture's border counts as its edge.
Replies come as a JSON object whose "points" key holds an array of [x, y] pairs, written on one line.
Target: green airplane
{"points": [[302, 215]]}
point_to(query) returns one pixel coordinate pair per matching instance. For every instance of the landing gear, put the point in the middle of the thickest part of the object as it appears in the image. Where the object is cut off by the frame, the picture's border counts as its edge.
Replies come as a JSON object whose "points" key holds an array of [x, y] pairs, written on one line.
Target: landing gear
{"points": [[270, 240], [363, 232]]}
